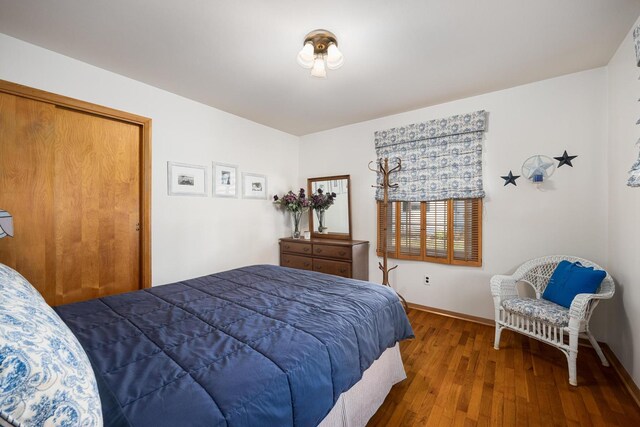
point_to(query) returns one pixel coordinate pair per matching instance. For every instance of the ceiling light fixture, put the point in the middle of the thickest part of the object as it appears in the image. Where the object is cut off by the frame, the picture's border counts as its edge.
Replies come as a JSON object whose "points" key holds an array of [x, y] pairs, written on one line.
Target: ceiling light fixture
{"points": [[319, 52]]}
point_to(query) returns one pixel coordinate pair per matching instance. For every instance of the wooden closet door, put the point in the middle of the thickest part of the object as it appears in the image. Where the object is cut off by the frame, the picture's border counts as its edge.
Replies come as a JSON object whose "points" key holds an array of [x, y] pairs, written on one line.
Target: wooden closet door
{"points": [[71, 180], [97, 206], [27, 135]]}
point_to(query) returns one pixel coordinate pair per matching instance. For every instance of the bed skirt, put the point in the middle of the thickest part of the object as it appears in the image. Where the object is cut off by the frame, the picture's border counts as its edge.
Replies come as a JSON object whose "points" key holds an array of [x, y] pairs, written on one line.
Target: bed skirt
{"points": [[356, 406]]}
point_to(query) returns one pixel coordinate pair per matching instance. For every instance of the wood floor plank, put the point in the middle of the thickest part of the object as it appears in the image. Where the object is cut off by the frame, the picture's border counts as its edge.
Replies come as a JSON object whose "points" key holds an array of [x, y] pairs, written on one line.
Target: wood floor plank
{"points": [[456, 378]]}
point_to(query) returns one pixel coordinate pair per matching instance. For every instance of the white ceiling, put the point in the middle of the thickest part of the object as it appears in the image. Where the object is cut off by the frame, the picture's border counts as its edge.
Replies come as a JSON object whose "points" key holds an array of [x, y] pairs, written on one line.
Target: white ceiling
{"points": [[240, 56]]}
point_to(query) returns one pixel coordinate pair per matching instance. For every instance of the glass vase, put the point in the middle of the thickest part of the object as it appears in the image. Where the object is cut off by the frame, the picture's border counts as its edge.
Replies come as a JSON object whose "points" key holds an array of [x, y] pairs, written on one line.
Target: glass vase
{"points": [[320, 215], [296, 224]]}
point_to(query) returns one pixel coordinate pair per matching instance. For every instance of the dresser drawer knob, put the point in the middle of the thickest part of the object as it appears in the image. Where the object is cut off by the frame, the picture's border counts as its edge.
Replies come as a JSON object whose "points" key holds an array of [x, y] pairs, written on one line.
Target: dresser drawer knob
{"points": [[307, 264], [342, 253], [343, 270], [287, 246], [319, 251], [306, 249]]}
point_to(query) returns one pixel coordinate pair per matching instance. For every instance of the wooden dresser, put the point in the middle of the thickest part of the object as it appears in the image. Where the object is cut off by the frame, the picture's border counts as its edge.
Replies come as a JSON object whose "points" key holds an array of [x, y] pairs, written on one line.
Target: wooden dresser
{"points": [[346, 258]]}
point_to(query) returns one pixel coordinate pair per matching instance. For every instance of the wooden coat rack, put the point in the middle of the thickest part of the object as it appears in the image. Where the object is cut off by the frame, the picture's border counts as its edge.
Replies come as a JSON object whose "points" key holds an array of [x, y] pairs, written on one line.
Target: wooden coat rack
{"points": [[382, 167]]}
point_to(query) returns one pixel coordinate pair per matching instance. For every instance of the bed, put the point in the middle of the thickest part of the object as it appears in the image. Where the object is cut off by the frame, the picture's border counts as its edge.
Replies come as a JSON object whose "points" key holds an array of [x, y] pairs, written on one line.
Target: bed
{"points": [[259, 345]]}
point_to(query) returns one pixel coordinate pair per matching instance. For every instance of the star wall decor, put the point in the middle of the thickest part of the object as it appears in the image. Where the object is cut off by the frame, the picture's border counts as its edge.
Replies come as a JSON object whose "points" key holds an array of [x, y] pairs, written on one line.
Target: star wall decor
{"points": [[510, 179], [565, 159]]}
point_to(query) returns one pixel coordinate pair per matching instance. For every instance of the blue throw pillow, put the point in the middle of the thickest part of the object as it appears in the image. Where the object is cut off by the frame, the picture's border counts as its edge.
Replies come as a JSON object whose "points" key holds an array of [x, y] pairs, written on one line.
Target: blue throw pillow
{"points": [[570, 279]]}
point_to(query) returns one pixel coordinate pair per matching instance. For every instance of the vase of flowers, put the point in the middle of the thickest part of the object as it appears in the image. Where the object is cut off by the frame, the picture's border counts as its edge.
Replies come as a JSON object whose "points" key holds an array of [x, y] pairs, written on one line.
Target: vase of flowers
{"points": [[296, 204], [295, 216], [320, 214], [320, 202]]}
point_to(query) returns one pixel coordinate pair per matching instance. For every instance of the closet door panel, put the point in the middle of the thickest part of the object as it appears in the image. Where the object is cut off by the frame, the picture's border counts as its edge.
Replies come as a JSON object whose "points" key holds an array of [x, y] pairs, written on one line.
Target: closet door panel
{"points": [[97, 205], [26, 189]]}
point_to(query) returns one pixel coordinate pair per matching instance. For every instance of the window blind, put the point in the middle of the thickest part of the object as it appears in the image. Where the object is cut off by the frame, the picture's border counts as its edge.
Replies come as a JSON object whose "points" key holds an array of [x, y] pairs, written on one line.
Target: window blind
{"points": [[443, 231], [390, 229], [466, 230], [409, 229], [436, 233]]}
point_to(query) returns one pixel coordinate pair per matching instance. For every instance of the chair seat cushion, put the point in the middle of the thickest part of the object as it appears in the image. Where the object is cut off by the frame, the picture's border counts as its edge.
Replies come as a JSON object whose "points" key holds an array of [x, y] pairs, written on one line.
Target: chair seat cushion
{"points": [[539, 309]]}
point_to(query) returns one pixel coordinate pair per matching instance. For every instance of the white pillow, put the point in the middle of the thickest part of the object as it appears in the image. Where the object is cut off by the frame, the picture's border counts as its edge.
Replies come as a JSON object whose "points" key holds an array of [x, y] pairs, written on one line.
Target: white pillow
{"points": [[45, 375]]}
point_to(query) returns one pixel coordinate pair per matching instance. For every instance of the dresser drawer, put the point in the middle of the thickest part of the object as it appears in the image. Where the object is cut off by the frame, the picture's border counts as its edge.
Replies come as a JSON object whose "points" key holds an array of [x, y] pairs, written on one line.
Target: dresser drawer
{"points": [[332, 267], [331, 251], [294, 261], [299, 248]]}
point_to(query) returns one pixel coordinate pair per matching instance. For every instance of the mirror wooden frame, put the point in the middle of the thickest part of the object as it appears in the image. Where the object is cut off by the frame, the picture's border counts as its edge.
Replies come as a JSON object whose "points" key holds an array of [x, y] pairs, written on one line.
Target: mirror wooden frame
{"points": [[340, 236]]}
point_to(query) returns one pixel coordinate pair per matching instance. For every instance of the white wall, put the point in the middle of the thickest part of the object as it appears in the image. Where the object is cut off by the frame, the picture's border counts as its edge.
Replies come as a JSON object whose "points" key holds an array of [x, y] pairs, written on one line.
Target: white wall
{"points": [[194, 236], [191, 236], [624, 206], [586, 210], [520, 223]]}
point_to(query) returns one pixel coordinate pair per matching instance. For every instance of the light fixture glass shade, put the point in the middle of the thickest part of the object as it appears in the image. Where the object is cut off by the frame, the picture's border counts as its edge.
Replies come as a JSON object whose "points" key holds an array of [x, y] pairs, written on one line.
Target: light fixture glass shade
{"points": [[6, 224], [335, 59], [305, 56], [318, 69]]}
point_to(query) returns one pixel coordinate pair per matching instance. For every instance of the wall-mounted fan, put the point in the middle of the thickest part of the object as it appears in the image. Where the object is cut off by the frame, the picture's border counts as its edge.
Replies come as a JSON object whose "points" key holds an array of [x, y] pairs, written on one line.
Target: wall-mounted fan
{"points": [[538, 169]]}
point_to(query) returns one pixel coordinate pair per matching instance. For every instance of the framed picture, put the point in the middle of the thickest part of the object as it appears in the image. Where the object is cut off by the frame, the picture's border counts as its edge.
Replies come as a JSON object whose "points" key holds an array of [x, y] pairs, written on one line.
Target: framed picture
{"points": [[225, 182], [254, 186], [186, 180]]}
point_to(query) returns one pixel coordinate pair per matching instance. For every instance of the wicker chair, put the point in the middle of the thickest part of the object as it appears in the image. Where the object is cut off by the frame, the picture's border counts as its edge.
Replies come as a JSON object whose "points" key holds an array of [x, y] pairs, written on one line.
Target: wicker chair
{"points": [[542, 319]]}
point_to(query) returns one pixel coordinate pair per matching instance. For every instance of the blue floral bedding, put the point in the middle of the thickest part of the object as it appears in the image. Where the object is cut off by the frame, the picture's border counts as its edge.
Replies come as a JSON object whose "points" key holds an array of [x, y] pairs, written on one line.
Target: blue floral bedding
{"points": [[255, 346]]}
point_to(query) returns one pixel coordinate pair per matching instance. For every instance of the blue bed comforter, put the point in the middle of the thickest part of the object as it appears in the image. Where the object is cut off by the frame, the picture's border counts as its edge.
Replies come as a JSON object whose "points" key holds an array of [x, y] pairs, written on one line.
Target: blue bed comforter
{"points": [[255, 346]]}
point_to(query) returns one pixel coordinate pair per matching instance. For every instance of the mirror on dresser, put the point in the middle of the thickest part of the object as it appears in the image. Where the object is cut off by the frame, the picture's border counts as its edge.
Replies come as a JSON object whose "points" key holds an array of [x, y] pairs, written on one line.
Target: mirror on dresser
{"points": [[337, 218]]}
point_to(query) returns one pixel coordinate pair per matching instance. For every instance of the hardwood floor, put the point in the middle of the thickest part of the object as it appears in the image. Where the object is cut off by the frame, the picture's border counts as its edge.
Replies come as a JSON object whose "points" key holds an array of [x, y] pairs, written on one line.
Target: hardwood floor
{"points": [[455, 377]]}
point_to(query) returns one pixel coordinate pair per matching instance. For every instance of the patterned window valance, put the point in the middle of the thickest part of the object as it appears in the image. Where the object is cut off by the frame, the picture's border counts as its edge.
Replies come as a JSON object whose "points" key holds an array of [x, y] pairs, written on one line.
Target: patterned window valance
{"points": [[636, 40], [441, 159], [634, 173]]}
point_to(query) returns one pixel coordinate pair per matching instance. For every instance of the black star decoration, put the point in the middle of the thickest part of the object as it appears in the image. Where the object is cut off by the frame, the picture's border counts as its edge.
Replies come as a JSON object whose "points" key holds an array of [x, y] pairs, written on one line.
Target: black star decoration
{"points": [[565, 159], [510, 179]]}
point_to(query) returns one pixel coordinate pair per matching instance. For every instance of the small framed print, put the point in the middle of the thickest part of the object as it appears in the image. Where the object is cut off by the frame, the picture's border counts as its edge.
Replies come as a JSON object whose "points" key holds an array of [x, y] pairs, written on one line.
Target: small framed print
{"points": [[225, 181], [186, 180], [254, 186]]}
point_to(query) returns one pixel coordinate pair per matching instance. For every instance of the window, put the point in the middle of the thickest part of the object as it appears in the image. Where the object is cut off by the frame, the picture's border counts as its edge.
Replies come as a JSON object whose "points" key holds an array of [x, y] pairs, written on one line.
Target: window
{"points": [[444, 231]]}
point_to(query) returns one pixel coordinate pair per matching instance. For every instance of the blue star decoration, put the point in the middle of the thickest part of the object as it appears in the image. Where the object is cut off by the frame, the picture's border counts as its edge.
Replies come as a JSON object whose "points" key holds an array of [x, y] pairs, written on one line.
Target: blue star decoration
{"points": [[510, 179], [565, 159]]}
